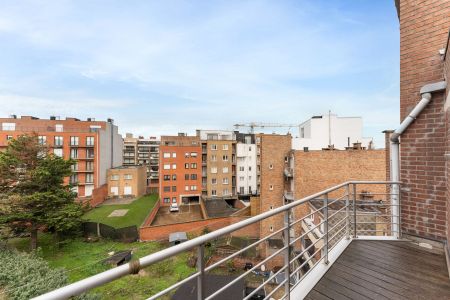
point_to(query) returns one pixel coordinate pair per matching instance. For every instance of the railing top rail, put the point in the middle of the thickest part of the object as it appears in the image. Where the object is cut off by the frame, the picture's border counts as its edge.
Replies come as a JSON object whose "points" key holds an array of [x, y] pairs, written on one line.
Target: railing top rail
{"points": [[115, 273]]}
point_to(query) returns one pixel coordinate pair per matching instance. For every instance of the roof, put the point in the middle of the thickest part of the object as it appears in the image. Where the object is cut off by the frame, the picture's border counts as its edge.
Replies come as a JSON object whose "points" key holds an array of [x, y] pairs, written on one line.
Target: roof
{"points": [[188, 291], [177, 236]]}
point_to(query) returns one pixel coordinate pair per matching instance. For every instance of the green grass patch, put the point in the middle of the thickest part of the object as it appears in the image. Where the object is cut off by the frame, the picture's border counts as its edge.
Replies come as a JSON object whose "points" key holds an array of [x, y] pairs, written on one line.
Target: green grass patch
{"points": [[137, 212]]}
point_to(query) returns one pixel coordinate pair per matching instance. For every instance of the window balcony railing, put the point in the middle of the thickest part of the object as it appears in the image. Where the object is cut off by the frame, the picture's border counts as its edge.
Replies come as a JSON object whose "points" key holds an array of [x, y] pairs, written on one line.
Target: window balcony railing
{"points": [[335, 217]]}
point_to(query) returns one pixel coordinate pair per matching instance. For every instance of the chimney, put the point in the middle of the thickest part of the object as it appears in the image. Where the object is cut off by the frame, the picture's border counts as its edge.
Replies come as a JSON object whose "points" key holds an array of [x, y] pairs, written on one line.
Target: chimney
{"points": [[13, 116]]}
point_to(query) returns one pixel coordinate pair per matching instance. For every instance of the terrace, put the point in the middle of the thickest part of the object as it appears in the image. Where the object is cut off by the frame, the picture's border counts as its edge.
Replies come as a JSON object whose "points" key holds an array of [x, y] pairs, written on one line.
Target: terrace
{"points": [[351, 257]]}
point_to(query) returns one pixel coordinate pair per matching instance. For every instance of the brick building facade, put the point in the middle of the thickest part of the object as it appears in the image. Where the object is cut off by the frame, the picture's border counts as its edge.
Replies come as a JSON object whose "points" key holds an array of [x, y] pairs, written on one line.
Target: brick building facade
{"points": [[424, 28]]}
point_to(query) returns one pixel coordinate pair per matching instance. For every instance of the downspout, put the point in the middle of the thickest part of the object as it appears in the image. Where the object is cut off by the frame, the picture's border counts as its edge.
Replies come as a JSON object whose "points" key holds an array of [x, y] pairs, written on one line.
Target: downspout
{"points": [[425, 91]]}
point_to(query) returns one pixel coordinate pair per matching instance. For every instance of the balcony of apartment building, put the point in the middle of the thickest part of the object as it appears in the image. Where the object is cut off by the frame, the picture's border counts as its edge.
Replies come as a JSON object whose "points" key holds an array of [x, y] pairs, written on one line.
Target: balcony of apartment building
{"points": [[204, 148], [345, 247]]}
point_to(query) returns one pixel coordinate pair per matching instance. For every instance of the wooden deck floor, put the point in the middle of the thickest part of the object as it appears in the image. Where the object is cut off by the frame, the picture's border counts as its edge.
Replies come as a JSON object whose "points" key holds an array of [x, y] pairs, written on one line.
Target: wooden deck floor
{"points": [[385, 270]]}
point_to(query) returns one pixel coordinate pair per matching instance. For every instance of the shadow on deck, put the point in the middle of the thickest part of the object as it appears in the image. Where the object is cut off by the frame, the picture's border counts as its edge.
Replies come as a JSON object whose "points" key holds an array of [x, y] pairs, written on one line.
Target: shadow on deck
{"points": [[385, 270]]}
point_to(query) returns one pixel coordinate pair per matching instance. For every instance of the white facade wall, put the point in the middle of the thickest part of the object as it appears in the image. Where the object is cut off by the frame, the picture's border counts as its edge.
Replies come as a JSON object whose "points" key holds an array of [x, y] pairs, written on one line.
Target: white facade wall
{"points": [[110, 151], [224, 135], [246, 168], [343, 131]]}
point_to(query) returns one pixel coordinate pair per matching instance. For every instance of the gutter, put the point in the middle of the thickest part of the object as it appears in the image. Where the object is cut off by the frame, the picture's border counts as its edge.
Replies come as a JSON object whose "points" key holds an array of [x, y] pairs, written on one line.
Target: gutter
{"points": [[426, 93]]}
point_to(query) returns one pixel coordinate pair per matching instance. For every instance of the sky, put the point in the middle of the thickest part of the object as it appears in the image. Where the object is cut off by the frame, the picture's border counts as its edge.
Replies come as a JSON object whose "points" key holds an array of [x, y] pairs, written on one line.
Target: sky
{"points": [[163, 67]]}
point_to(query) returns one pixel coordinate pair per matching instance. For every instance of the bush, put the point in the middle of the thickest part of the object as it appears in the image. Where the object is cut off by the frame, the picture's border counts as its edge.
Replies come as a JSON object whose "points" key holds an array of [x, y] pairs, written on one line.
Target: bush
{"points": [[25, 276]]}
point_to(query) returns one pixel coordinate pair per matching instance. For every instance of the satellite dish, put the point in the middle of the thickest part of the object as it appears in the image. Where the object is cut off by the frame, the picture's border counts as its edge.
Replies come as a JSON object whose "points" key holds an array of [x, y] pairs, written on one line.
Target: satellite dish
{"points": [[263, 268]]}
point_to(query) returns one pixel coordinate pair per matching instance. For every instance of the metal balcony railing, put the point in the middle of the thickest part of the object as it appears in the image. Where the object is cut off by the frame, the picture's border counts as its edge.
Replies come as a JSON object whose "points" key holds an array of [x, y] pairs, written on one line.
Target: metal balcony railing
{"points": [[334, 218]]}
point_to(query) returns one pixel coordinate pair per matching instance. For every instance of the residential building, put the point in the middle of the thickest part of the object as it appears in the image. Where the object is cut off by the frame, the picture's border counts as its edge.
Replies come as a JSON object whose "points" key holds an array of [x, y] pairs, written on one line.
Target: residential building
{"points": [[143, 151], [331, 131], [180, 175], [424, 137], [246, 156], [128, 181], [218, 163], [96, 146]]}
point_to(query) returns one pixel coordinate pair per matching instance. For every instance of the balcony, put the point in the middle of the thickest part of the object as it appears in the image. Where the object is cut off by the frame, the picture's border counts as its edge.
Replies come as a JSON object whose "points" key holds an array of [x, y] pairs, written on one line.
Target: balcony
{"points": [[358, 253]]}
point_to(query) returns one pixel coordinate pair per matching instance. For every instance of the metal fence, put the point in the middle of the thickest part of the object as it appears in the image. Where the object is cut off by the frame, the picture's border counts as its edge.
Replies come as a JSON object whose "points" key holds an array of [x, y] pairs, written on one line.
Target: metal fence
{"points": [[333, 218], [125, 234]]}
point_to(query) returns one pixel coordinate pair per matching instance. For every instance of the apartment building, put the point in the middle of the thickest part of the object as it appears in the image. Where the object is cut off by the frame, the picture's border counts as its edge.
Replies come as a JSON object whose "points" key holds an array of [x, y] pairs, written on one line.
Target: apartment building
{"points": [[246, 156], [331, 131], [95, 145], [218, 163], [424, 136], [143, 151], [180, 176]]}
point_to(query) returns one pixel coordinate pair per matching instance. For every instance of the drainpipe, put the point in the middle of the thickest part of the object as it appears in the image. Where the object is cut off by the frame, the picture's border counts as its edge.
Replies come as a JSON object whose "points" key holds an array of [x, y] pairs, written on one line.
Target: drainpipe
{"points": [[425, 91]]}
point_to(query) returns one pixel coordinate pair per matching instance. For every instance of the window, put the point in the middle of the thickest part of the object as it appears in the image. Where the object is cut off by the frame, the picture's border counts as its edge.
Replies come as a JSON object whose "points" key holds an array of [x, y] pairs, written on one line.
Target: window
{"points": [[186, 165], [174, 188], [167, 189], [225, 158], [186, 188], [174, 154], [166, 200], [193, 154], [250, 168], [58, 140], [249, 177], [174, 177], [186, 176], [225, 147], [90, 141], [271, 166], [193, 176], [75, 167], [225, 170], [42, 139], [89, 178], [213, 192], [59, 128], [89, 166], [74, 179], [115, 177], [166, 177], [58, 152], [186, 155], [241, 190], [213, 180], [166, 166], [174, 166], [302, 132], [194, 166], [127, 176], [174, 199], [241, 178], [271, 187], [214, 170], [214, 157], [8, 126], [89, 153], [166, 155], [224, 180], [74, 141], [241, 169], [249, 148], [226, 192], [213, 147], [193, 187], [74, 153], [9, 137]]}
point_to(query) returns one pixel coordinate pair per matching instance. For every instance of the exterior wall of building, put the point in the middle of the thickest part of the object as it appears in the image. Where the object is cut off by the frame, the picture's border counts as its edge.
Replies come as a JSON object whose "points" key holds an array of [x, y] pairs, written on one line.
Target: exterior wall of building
{"points": [[424, 30], [127, 181], [246, 168], [315, 133], [220, 168], [447, 122], [93, 158], [178, 151]]}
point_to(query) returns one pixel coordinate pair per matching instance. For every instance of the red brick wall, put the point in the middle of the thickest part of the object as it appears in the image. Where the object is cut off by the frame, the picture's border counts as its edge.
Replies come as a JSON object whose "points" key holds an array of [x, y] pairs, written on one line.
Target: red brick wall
{"points": [[447, 122], [99, 195], [152, 214], [153, 233], [423, 32]]}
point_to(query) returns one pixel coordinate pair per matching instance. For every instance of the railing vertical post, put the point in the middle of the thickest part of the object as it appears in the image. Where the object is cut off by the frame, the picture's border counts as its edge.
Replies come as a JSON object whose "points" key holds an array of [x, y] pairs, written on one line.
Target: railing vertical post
{"points": [[287, 254], [201, 269], [347, 212], [354, 212], [399, 213], [325, 224]]}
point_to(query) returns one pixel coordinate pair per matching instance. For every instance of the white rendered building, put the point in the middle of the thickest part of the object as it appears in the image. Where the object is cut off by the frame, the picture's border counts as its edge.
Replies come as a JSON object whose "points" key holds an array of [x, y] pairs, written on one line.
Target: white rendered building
{"points": [[246, 169]]}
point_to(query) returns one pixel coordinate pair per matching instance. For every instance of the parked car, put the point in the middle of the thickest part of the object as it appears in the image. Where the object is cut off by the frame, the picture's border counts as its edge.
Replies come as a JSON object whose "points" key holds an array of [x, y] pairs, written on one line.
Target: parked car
{"points": [[174, 207]]}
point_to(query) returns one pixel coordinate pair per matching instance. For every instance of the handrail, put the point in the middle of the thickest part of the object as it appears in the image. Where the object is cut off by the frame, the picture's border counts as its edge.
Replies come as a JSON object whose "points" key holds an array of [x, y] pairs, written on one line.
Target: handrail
{"points": [[86, 284]]}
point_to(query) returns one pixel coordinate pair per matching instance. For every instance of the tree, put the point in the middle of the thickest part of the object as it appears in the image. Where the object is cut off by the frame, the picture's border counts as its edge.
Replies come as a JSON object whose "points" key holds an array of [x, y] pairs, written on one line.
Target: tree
{"points": [[33, 194]]}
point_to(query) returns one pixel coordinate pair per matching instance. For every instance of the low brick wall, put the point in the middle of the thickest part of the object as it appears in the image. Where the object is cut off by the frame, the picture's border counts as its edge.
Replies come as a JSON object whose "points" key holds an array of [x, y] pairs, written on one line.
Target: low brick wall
{"points": [[152, 214], [99, 195], [161, 232]]}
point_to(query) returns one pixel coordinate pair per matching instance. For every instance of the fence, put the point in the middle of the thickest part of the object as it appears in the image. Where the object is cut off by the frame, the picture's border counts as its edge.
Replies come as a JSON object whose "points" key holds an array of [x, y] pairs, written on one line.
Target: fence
{"points": [[126, 234]]}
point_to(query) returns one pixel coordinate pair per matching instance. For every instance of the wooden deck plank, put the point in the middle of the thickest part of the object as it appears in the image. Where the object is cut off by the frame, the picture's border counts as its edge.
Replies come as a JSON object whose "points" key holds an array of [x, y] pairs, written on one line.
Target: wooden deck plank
{"points": [[385, 270], [315, 295]]}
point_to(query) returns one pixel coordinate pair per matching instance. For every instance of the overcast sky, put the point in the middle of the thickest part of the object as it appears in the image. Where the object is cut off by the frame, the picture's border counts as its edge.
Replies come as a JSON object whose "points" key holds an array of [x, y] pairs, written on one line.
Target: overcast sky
{"points": [[160, 67]]}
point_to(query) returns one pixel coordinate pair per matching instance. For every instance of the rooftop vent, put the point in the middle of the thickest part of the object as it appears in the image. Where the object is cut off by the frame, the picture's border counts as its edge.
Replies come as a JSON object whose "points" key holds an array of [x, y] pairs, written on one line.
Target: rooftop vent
{"points": [[54, 117], [13, 116], [90, 119], [110, 120]]}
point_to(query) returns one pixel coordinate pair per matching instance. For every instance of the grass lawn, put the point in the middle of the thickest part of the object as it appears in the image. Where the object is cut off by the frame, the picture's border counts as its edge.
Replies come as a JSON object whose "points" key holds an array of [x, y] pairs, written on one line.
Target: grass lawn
{"points": [[137, 212], [82, 259]]}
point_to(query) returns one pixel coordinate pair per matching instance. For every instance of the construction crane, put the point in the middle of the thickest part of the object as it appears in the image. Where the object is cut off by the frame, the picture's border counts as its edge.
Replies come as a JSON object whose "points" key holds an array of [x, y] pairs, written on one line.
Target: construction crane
{"points": [[253, 125]]}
